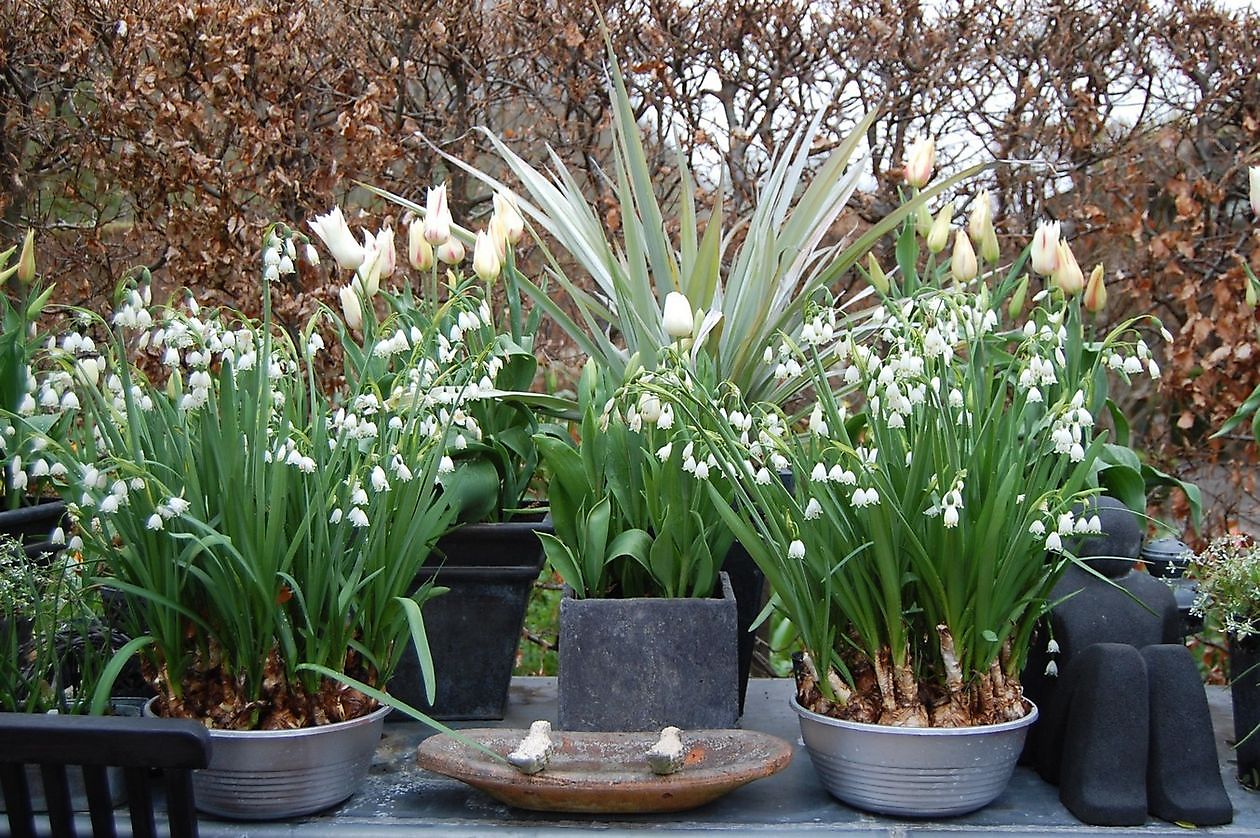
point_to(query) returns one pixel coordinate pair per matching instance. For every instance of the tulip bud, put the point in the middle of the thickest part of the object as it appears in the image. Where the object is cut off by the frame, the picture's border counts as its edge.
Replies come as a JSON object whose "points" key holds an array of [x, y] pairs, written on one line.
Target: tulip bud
{"points": [[26, 262], [981, 217], [920, 161], [938, 236], [437, 218], [922, 221], [485, 257], [335, 233], [1253, 174], [368, 276], [498, 236], [1095, 299], [419, 251], [1045, 248], [451, 251], [876, 274], [351, 308], [677, 318], [387, 255], [962, 262], [505, 209], [1016, 304], [980, 225], [1068, 277], [1249, 295]]}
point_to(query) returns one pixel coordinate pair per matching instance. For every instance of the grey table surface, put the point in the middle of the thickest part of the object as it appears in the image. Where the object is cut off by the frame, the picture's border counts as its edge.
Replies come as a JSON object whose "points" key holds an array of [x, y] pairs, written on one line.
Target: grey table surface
{"points": [[399, 797]]}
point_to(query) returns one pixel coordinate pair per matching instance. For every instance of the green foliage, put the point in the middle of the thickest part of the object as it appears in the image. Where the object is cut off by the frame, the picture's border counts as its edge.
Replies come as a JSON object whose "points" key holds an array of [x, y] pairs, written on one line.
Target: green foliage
{"points": [[631, 513], [253, 523], [54, 650]]}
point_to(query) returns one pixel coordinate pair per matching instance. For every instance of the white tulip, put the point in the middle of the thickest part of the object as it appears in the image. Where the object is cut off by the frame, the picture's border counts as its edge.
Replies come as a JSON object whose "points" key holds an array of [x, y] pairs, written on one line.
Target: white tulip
{"points": [[485, 258], [336, 235], [677, 317], [505, 209], [351, 308]]}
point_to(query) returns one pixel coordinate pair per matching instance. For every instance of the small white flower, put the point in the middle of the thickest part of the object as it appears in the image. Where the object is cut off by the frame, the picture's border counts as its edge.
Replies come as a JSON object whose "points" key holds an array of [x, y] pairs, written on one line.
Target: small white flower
{"points": [[796, 550], [859, 498], [664, 451], [1077, 454], [110, 504], [379, 481], [950, 517], [763, 477], [1133, 365], [1037, 528], [75, 543], [1054, 543], [155, 522], [1052, 647], [446, 465], [819, 474], [813, 510], [702, 470], [69, 401], [357, 517], [335, 517], [1152, 368], [666, 419], [401, 471], [1052, 670]]}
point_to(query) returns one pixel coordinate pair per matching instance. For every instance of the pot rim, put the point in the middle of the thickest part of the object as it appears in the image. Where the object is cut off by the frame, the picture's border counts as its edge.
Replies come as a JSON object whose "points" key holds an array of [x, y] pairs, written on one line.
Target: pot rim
{"points": [[217, 733], [973, 730]]}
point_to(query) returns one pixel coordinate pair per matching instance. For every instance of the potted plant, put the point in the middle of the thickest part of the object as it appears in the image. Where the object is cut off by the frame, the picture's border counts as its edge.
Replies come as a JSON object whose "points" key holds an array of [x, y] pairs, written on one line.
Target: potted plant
{"points": [[55, 647], [927, 522], [484, 344], [647, 634], [743, 279], [266, 536], [1227, 574], [30, 405]]}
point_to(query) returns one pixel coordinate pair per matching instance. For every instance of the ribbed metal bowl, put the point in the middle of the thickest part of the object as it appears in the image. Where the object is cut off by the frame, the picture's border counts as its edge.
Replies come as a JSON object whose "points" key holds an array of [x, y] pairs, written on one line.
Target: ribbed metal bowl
{"points": [[915, 772], [274, 774]]}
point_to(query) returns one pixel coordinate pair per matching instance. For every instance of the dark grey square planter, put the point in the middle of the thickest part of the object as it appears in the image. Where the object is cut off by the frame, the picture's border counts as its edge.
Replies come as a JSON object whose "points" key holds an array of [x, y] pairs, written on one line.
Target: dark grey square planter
{"points": [[641, 664], [474, 629]]}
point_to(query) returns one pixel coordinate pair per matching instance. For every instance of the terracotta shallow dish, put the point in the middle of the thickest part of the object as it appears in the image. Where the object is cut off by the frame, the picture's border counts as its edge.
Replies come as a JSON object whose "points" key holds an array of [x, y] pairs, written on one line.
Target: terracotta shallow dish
{"points": [[604, 773]]}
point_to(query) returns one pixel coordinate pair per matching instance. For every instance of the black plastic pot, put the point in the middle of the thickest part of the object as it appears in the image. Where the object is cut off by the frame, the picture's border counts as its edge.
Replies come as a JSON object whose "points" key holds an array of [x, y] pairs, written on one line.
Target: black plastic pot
{"points": [[640, 664], [748, 584], [33, 524], [474, 629], [1244, 688]]}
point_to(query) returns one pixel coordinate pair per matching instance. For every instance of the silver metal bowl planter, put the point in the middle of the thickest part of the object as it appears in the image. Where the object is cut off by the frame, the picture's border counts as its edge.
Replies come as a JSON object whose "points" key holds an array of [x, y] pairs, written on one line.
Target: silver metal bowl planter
{"points": [[914, 772], [274, 774]]}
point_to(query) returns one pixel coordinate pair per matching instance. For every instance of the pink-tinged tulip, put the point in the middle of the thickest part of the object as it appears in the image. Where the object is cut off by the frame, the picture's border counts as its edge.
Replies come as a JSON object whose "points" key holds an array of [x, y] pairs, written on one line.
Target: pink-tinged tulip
{"points": [[1253, 174], [962, 263], [1045, 248], [451, 251], [938, 236], [1095, 299], [26, 262], [437, 217], [336, 236], [677, 317], [920, 161], [419, 251], [485, 258], [387, 254], [505, 209], [351, 308], [1068, 277]]}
